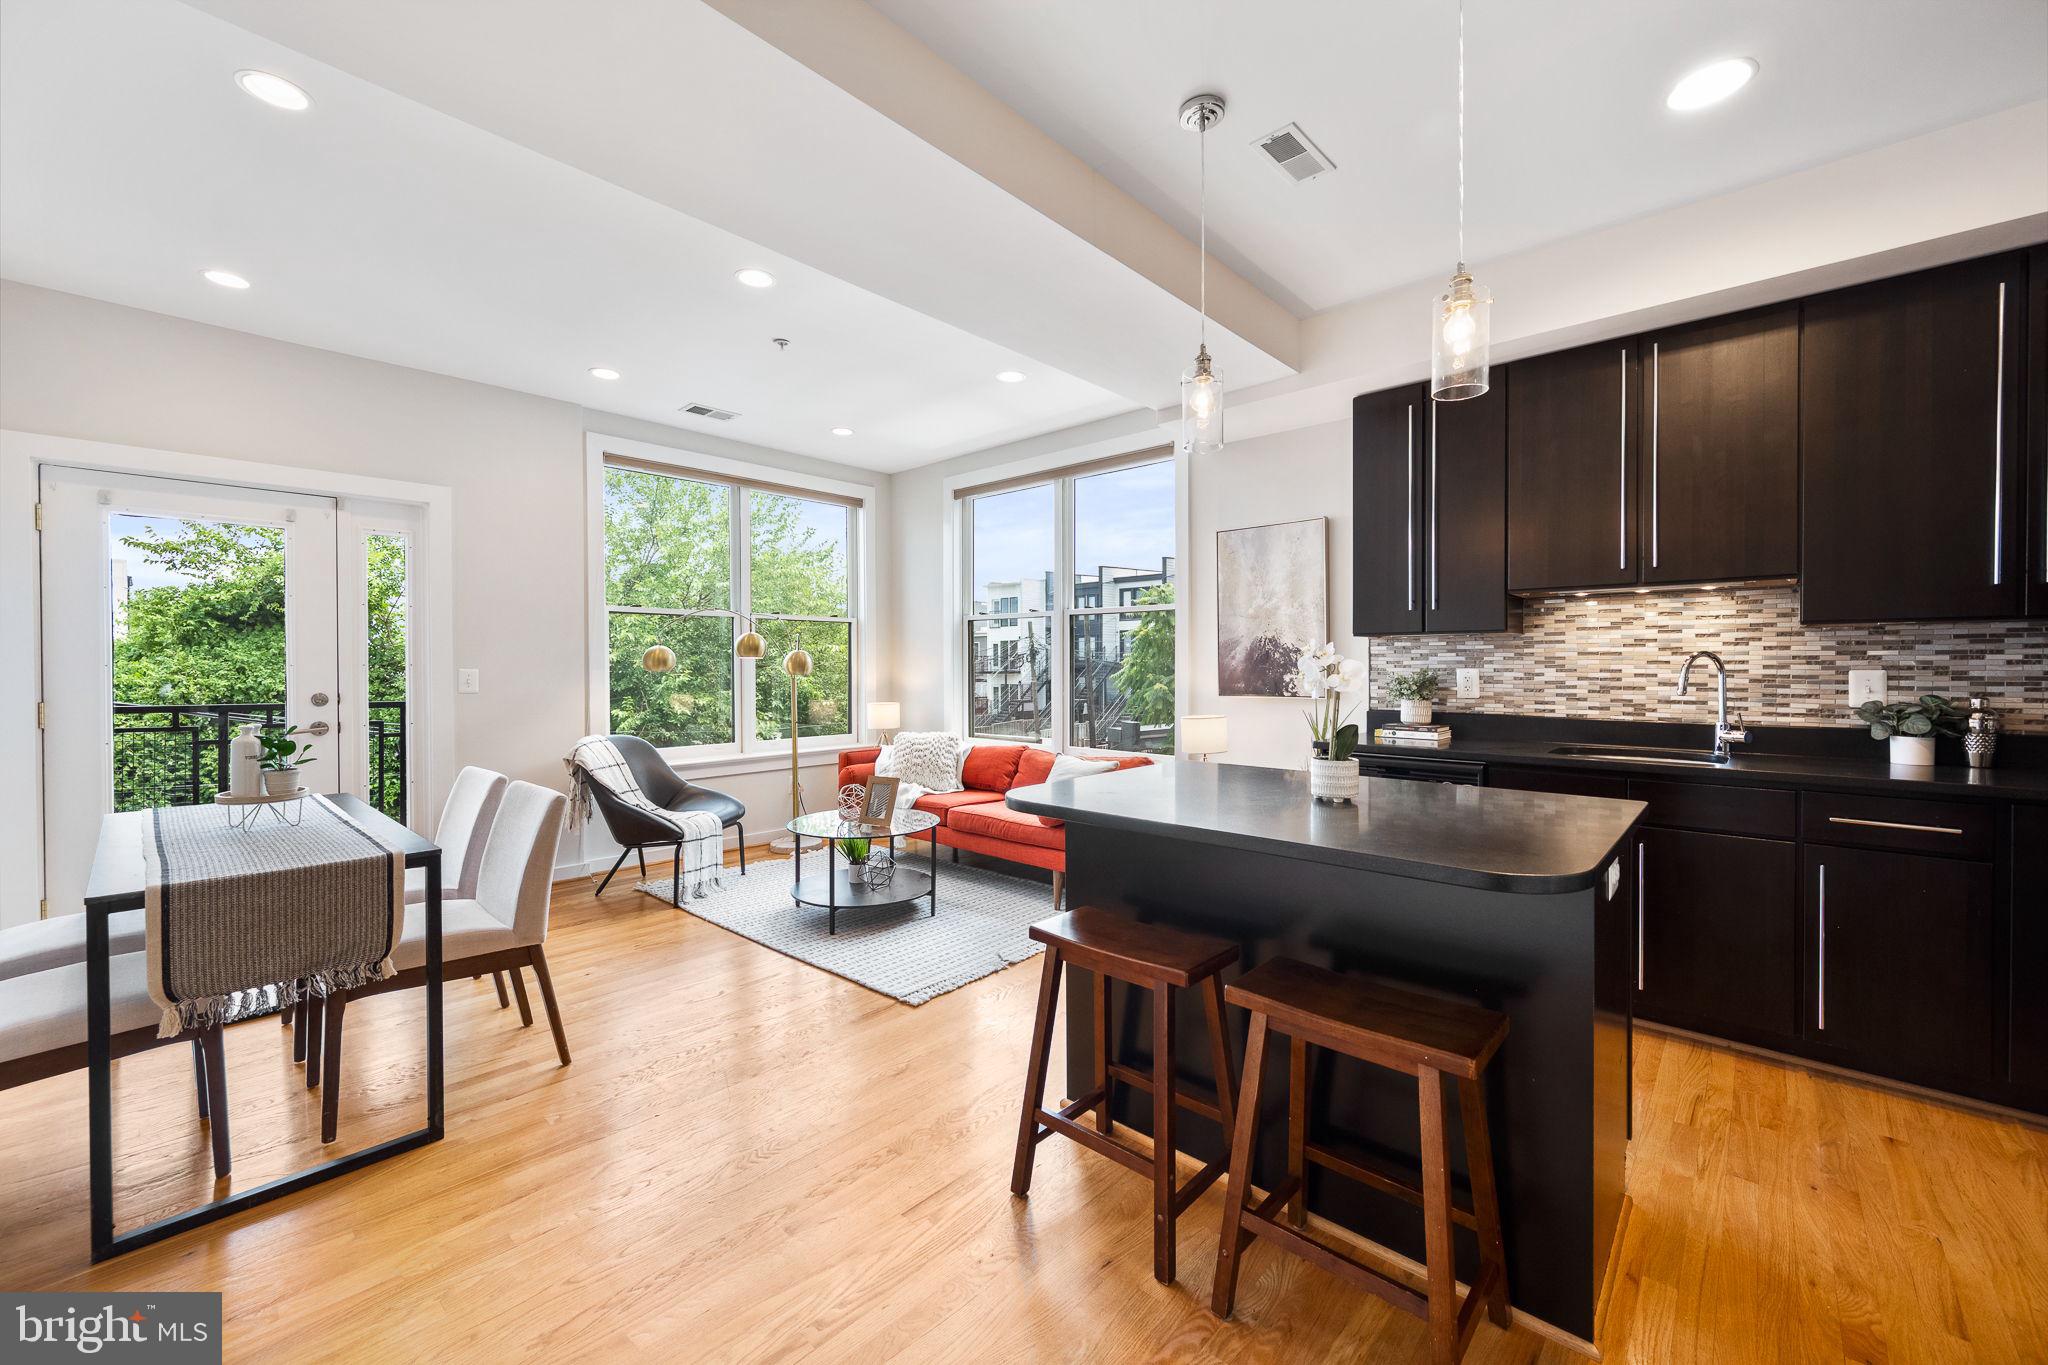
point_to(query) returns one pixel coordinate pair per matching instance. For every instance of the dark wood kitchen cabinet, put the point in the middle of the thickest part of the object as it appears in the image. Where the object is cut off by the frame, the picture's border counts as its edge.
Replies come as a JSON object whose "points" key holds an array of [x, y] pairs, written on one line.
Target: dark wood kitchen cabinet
{"points": [[1903, 975], [1572, 424], [2037, 431], [1911, 393], [1717, 940], [1719, 489], [1429, 508], [2029, 974]]}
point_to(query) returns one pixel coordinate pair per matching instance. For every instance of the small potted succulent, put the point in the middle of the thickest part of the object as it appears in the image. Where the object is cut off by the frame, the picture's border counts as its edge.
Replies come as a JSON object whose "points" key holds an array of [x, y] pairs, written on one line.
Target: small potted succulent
{"points": [[1910, 726], [1416, 691], [283, 756], [1324, 678]]}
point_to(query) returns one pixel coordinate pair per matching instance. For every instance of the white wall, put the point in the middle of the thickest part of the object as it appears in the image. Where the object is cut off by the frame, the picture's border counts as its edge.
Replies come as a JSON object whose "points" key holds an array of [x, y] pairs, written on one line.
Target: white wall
{"points": [[71, 366]]}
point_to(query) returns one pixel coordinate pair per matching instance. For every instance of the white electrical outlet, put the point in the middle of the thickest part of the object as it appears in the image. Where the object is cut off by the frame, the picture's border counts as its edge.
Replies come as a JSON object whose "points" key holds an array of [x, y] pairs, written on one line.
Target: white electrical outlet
{"points": [[1468, 682], [466, 680], [1865, 684]]}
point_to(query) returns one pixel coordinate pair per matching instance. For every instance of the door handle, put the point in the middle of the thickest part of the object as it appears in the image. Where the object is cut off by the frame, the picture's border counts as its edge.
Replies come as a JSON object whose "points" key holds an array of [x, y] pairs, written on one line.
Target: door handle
{"points": [[318, 727], [1820, 995], [1893, 824], [1655, 408], [1432, 506], [1411, 507], [1640, 860], [1998, 447], [1622, 501]]}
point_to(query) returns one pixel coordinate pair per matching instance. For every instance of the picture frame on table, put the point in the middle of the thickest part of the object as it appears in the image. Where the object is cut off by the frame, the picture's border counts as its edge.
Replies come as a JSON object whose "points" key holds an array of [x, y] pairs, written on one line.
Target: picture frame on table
{"points": [[878, 805]]}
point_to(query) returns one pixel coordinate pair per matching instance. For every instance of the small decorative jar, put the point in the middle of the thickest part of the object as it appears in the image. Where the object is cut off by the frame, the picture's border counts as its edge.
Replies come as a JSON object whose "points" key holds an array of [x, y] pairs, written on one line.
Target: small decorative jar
{"points": [[1333, 779], [1980, 734]]}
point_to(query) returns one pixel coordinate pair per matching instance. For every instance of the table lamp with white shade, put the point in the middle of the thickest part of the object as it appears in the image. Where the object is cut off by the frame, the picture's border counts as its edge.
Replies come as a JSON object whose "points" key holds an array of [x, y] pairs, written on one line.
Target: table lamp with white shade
{"points": [[885, 718], [1201, 736]]}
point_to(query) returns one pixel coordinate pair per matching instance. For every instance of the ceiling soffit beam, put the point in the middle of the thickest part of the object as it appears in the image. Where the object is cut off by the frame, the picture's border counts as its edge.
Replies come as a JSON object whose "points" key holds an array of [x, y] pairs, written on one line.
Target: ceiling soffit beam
{"points": [[870, 57]]}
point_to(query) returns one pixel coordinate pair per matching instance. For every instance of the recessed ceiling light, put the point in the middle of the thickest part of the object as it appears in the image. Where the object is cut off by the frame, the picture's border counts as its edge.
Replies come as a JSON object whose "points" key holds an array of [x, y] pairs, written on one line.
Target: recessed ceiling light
{"points": [[226, 279], [273, 90], [600, 372], [1710, 84], [842, 431], [754, 279], [1010, 376]]}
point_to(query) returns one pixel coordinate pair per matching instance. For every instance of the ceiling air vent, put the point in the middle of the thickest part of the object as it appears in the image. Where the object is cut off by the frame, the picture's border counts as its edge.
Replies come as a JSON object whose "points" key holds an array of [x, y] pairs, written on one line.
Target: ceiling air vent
{"points": [[1293, 153], [705, 410]]}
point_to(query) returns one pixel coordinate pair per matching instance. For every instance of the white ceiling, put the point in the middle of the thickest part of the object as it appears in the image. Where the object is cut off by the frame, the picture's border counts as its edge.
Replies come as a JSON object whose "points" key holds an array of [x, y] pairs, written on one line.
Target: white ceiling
{"points": [[376, 226], [1566, 125]]}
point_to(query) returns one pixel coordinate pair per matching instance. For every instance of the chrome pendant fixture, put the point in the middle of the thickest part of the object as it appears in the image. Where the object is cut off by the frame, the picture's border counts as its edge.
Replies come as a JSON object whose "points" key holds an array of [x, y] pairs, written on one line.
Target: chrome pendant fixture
{"points": [[1461, 319], [1201, 388]]}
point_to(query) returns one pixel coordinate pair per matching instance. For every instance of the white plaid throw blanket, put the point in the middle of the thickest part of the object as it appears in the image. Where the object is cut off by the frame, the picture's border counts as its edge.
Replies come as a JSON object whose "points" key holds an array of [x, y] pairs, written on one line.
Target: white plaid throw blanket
{"points": [[595, 759], [243, 920]]}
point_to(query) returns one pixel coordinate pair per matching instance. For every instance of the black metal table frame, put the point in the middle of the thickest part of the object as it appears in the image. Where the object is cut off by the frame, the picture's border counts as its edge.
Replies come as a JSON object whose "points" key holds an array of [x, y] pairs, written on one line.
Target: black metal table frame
{"points": [[106, 1243], [832, 875]]}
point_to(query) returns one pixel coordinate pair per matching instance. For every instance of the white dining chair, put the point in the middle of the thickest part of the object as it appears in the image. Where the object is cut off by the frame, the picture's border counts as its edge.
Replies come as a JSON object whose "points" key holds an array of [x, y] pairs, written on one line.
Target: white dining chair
{"points": [[502, 928], [464, 830], [43, 1032]]}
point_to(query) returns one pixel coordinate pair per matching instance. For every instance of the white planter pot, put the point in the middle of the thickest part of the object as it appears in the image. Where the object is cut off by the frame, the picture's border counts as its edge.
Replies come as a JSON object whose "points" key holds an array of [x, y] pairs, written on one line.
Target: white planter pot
{"points": [[1333, 779], [1417, 712], [1915, 751], [280, 781]]}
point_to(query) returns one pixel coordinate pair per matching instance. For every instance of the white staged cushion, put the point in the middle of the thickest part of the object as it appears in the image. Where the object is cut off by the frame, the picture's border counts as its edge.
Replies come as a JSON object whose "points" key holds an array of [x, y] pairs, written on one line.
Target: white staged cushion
{"points": [[929, 758], [467, 930], [59, 941], [1066, 765], [44, 1011]]}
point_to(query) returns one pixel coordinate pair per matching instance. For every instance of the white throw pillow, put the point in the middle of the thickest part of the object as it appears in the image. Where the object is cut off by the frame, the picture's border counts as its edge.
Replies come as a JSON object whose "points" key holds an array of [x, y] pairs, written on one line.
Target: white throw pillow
{"points": [[929, 758], [1066, 765]]}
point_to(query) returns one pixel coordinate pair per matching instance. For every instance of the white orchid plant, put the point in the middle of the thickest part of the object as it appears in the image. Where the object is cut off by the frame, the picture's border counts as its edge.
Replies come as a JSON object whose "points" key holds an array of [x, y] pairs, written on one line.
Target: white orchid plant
{"points": [[1324, 676]]}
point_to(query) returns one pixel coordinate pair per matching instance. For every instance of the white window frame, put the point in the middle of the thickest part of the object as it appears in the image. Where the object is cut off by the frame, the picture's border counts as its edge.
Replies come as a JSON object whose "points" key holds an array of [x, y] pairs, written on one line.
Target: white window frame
{"points": [[1061, 613], [745, 752]]}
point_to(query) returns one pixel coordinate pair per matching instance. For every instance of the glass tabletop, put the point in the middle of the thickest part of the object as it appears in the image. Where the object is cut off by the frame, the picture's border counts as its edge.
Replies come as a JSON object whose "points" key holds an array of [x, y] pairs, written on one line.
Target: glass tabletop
{"points": [[828, 825]]}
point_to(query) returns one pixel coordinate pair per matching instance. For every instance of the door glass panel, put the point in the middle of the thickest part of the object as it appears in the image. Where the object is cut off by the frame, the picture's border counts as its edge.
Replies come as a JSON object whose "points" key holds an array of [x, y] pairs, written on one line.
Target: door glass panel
{"points": [[824, 699], [1010, 679], [1122, 693], [198, 648], [387, 560]]}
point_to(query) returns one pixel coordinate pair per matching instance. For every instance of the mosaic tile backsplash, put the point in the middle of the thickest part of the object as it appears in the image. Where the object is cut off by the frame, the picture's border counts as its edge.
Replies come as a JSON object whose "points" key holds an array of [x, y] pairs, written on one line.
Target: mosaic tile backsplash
{"points": [[1617, 658]]}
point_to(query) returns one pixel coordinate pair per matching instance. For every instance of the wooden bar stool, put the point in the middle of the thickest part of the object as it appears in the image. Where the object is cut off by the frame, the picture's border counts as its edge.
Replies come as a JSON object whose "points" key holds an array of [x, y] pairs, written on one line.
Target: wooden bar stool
{"points": [[1422, 1035], [1158, 959]]}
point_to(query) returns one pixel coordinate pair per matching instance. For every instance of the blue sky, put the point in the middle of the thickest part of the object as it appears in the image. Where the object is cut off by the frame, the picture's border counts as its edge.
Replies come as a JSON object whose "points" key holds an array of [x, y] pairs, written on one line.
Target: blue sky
{"points": [[1123, 517]]}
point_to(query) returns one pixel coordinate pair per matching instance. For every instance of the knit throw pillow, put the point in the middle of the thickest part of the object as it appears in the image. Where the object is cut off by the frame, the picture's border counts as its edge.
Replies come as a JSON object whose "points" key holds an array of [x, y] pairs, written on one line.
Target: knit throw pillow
{"points": [[927, 758]]}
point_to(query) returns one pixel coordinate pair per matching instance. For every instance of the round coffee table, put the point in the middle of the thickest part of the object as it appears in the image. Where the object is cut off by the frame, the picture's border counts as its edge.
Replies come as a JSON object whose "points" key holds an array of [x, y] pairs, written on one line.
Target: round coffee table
{"points": [[838, 888]]}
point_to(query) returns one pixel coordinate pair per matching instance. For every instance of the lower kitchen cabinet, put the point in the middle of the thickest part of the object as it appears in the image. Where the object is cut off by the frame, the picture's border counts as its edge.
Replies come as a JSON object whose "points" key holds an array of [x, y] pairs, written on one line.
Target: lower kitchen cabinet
{"points": [[1903, 976], [2029, 975], [1717, 941]]}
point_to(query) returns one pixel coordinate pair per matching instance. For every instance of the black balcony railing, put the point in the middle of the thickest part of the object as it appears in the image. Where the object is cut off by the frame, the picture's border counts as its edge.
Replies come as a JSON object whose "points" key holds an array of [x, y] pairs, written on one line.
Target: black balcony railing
{"points": [[178, 755]]}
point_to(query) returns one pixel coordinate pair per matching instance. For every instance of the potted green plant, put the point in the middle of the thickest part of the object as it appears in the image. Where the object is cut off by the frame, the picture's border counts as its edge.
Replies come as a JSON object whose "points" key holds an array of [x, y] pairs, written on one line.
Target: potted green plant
{"points": [[1324, 677], [855, 851], [1416, 691], [283, 756], [1910, 726]]}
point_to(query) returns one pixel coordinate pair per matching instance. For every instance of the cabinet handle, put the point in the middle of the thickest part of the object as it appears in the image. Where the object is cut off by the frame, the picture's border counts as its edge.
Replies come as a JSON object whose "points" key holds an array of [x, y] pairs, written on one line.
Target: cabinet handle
{"points": [[1998, 448], [1432, 506], [1639, 914], [1820, 1001], [1655, 408], [1411, 507], [1622, 501], [1893, 824]]}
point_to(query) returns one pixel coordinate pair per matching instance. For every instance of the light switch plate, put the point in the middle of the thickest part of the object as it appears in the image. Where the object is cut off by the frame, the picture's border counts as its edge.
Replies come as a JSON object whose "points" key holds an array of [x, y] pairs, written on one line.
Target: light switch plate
{"points": [[466, 680], [1468, 682], [1865, 684]]}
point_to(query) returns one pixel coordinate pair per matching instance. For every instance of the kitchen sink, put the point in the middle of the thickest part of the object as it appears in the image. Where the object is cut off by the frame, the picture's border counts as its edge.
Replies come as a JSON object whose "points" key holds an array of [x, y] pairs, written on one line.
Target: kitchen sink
{"points": [[1642, 753]]}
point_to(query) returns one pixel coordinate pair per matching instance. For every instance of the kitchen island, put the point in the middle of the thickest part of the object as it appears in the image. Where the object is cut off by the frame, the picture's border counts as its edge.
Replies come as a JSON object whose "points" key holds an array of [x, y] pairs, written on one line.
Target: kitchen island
{"points": [[1509, 899]]}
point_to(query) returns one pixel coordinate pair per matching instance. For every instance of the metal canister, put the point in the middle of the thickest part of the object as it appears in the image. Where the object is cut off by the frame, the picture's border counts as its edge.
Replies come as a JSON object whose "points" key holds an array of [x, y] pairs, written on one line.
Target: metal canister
{"points": [[1980, 734]]}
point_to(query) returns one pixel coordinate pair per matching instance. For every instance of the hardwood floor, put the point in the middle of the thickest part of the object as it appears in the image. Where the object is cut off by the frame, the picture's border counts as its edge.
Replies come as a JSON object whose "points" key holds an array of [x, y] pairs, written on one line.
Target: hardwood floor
{"points": [[752, 1160]]}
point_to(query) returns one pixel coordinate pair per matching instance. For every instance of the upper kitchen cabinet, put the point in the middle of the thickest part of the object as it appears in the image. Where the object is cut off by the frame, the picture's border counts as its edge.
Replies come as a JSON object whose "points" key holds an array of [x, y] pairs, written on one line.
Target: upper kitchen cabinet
{"points": [[1910, 394], [1429, 506], [1719, 489], [1572, 423], [2037, 431]]}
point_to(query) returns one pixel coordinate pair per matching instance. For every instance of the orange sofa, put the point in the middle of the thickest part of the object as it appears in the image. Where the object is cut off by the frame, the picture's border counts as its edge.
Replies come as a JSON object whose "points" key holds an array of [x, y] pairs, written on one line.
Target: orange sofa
{"points": [[977, 820]]}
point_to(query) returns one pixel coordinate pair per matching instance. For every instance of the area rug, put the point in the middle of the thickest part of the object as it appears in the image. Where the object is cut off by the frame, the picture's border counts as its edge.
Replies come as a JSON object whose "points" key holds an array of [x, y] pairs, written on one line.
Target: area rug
{"points": [[906, 953]]}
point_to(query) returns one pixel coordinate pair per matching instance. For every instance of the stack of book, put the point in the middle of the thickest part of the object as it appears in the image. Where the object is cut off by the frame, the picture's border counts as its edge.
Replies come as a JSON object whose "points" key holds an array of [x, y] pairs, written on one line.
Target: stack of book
{"points": [[1419, 736]]}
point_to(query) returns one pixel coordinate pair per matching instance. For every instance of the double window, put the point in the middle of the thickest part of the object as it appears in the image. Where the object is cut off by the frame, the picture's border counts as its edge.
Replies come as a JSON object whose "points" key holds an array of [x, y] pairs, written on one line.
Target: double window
{"points": [[1070, 609], [687, 559]]}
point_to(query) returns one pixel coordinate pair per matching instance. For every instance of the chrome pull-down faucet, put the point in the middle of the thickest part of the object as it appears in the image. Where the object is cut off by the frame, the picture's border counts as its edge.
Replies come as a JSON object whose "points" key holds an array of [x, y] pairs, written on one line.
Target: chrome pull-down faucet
{"points": [[1724, 733]]}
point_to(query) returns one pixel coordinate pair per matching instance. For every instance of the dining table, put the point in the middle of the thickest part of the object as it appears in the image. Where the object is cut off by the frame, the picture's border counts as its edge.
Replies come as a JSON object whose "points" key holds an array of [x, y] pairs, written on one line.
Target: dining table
{"points": [[117, 884]]}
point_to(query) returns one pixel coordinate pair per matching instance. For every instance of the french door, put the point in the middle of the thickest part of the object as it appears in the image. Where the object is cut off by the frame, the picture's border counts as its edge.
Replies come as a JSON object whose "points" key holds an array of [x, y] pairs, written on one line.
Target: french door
{"points": [[172, 613]]}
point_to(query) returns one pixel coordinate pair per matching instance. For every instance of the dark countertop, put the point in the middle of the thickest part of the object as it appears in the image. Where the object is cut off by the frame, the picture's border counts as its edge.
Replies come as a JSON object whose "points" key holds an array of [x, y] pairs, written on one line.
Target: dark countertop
{"points": [[1533, 842], [1867, 773]]}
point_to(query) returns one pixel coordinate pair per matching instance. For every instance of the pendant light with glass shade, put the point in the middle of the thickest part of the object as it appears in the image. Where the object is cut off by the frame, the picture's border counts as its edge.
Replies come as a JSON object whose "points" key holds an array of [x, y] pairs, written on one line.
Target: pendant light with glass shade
{"points": [[1201, 388], [1461, 319]]}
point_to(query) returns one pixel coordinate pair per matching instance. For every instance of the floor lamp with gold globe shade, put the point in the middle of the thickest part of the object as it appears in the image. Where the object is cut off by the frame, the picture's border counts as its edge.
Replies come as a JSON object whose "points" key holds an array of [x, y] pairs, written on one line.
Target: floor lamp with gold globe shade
{"points": [[797, 664]]}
